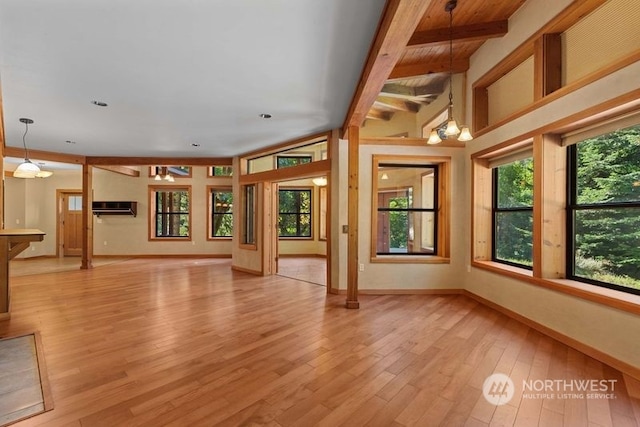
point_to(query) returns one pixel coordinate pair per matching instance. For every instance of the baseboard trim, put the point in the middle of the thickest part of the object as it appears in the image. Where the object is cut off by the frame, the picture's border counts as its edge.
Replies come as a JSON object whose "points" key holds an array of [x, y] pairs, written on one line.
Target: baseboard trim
{"points": [[246, 270], [405, 291], [623, 367], [197, 256]]}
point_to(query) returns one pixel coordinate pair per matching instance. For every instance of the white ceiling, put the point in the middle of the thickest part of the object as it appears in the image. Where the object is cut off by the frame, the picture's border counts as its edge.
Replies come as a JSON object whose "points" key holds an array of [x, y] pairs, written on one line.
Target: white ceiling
{"points": [[177, 72]]}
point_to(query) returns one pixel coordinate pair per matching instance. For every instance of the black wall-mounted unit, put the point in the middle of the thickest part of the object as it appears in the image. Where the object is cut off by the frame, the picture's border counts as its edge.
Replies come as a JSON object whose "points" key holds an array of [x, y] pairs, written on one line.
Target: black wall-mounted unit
{"points": [[114, 208]]}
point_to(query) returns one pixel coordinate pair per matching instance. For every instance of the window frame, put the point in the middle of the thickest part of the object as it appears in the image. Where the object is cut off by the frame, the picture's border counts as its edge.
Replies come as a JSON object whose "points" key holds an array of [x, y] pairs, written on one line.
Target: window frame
{"points": [[152, 231], [298, 213], [162, 170], [210, 211], [279, 156], [249, 217], [496, 210], [442, 209], [573, 206], [211, 171]]}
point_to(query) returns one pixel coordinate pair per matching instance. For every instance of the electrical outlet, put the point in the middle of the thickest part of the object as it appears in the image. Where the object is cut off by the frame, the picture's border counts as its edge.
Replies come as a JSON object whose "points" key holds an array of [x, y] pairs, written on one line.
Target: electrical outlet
{"points": [[105, 243], [361, 267], [18, 221]]}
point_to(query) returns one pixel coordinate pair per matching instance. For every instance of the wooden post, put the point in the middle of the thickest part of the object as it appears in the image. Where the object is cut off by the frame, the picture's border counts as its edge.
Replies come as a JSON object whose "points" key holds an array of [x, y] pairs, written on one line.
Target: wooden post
{"points": [[87, 217], [352, 245], [549, 207], [547, 65]]}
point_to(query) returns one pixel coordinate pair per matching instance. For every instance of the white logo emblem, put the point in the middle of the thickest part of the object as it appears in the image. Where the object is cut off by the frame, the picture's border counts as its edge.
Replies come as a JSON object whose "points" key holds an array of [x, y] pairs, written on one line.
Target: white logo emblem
{"points": [[498, 389]]}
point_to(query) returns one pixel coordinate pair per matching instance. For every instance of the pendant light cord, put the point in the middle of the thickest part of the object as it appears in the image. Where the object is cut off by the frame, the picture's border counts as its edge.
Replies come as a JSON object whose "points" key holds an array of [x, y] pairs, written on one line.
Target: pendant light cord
{"points": [[450, 61], [24, 143]]}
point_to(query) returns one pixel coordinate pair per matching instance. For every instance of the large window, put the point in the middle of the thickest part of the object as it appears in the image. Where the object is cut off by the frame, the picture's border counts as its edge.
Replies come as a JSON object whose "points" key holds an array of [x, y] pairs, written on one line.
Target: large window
{"points": [[170, 212], [220, 213], [294, 213], [513, 213], [604, 210], [406, 206]]}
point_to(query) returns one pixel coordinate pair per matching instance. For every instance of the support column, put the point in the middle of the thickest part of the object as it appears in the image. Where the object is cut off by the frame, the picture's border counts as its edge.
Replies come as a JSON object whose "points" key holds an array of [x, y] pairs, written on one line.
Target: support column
{"points": [[352, 245], [87, 217]]}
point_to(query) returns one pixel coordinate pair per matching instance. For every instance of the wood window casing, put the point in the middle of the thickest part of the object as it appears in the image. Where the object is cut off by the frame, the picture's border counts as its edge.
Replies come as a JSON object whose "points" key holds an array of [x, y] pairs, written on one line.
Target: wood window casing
{"points": [[442, 210], [153, 213], [211, 211]]}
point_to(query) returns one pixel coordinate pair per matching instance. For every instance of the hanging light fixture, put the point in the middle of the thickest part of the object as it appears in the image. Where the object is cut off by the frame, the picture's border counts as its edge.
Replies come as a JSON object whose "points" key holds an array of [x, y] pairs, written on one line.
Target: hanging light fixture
{"points": [[26, 169], [43, 173], [452, 129], [320, 181]]}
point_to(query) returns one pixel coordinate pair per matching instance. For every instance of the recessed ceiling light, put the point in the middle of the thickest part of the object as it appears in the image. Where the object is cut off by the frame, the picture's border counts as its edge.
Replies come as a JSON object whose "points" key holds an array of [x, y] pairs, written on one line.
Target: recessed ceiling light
{"points": [[99, 103], [68, 141], [195, 144], [265, 116]]}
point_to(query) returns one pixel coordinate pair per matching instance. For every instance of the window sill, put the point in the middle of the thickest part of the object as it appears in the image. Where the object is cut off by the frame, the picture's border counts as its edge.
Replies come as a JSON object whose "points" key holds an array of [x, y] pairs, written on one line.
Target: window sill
{"points": [[408, 259], [609, 297], [248, 247], [218, 239], [170, 239]]}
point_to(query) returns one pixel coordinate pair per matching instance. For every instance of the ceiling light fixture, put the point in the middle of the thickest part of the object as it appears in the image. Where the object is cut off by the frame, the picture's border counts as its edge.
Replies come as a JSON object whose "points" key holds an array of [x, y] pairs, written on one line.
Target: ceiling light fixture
{"points": [[43, 173], [451, 130], [265, 116], [99, 103], [321, 181], [26, 169]]}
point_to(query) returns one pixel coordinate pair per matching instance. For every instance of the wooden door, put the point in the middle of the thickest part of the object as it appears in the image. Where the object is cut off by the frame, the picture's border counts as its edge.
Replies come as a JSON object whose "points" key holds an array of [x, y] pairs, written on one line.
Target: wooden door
{"points": [[71, 224]]}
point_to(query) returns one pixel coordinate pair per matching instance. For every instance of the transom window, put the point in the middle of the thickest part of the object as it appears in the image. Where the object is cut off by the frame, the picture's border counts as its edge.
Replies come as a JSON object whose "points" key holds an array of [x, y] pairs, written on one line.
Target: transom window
{"points": [[285, 161], [604, 210], [221, 171], [171, 209], [513, 213], [294, 213]]}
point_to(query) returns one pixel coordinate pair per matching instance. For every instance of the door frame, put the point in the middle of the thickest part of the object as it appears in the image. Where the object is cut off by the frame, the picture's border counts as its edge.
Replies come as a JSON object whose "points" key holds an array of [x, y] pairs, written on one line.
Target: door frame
{"points": [[60, 194]]}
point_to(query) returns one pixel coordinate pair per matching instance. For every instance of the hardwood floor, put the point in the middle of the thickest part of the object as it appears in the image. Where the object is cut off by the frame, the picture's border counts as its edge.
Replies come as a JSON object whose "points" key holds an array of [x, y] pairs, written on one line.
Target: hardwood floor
{"points": [[189, 342], [307, 269]]}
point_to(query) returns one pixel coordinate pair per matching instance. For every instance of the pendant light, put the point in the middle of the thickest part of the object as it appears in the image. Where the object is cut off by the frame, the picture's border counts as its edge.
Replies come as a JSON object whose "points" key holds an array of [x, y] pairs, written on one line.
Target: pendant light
{"points": [[452, 129], [26, 169]]}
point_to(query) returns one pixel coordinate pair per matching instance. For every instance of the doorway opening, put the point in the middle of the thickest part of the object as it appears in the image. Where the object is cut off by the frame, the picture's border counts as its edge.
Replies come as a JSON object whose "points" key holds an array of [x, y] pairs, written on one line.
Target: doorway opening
{"points": [[69, 220]]}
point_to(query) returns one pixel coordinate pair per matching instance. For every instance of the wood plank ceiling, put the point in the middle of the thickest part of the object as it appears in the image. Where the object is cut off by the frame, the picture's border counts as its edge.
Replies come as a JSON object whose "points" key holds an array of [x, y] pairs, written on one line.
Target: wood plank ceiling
{"points": [[421, 73]]}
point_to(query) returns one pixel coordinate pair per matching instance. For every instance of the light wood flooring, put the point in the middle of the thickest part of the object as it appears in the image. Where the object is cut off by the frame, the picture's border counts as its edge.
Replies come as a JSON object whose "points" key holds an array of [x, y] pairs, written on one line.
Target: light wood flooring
{"points": [[189, 342], [308, 269]]}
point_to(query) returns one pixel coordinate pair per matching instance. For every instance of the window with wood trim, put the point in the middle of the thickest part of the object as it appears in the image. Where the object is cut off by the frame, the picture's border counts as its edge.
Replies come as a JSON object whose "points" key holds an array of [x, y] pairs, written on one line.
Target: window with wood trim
{"points": [[168, 173], [170, 212], [220, 213], [512, 213], [220, 171], [294, 219], [286, 161], [604, 210], [249, 205], [410, 208]]}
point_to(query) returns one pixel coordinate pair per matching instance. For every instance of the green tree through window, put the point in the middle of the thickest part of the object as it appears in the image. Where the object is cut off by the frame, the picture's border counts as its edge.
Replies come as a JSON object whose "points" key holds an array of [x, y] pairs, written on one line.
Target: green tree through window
{"points": [[513, 213], [604, 209], [172, 212], [221, 213], [294, 213]]}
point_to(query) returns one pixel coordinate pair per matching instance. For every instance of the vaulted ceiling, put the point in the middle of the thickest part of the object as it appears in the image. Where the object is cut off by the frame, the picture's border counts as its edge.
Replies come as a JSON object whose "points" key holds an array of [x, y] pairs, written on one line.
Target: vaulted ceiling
{"points": [[191, 78]]}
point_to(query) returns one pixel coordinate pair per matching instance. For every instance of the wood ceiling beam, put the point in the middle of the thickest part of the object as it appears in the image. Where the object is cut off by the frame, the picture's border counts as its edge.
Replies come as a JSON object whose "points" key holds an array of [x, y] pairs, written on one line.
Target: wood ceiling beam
{"points": [[473, 32], [159, 161], [397, 104], [123, 170], [403, 71], [379, 115], [399, 20], [44, 155], [408, 92]]}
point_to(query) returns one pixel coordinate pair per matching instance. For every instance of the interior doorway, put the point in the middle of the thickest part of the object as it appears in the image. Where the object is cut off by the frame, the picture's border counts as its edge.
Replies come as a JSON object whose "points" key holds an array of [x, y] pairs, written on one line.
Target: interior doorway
{"points": [[300, 208], [69, 223]]}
